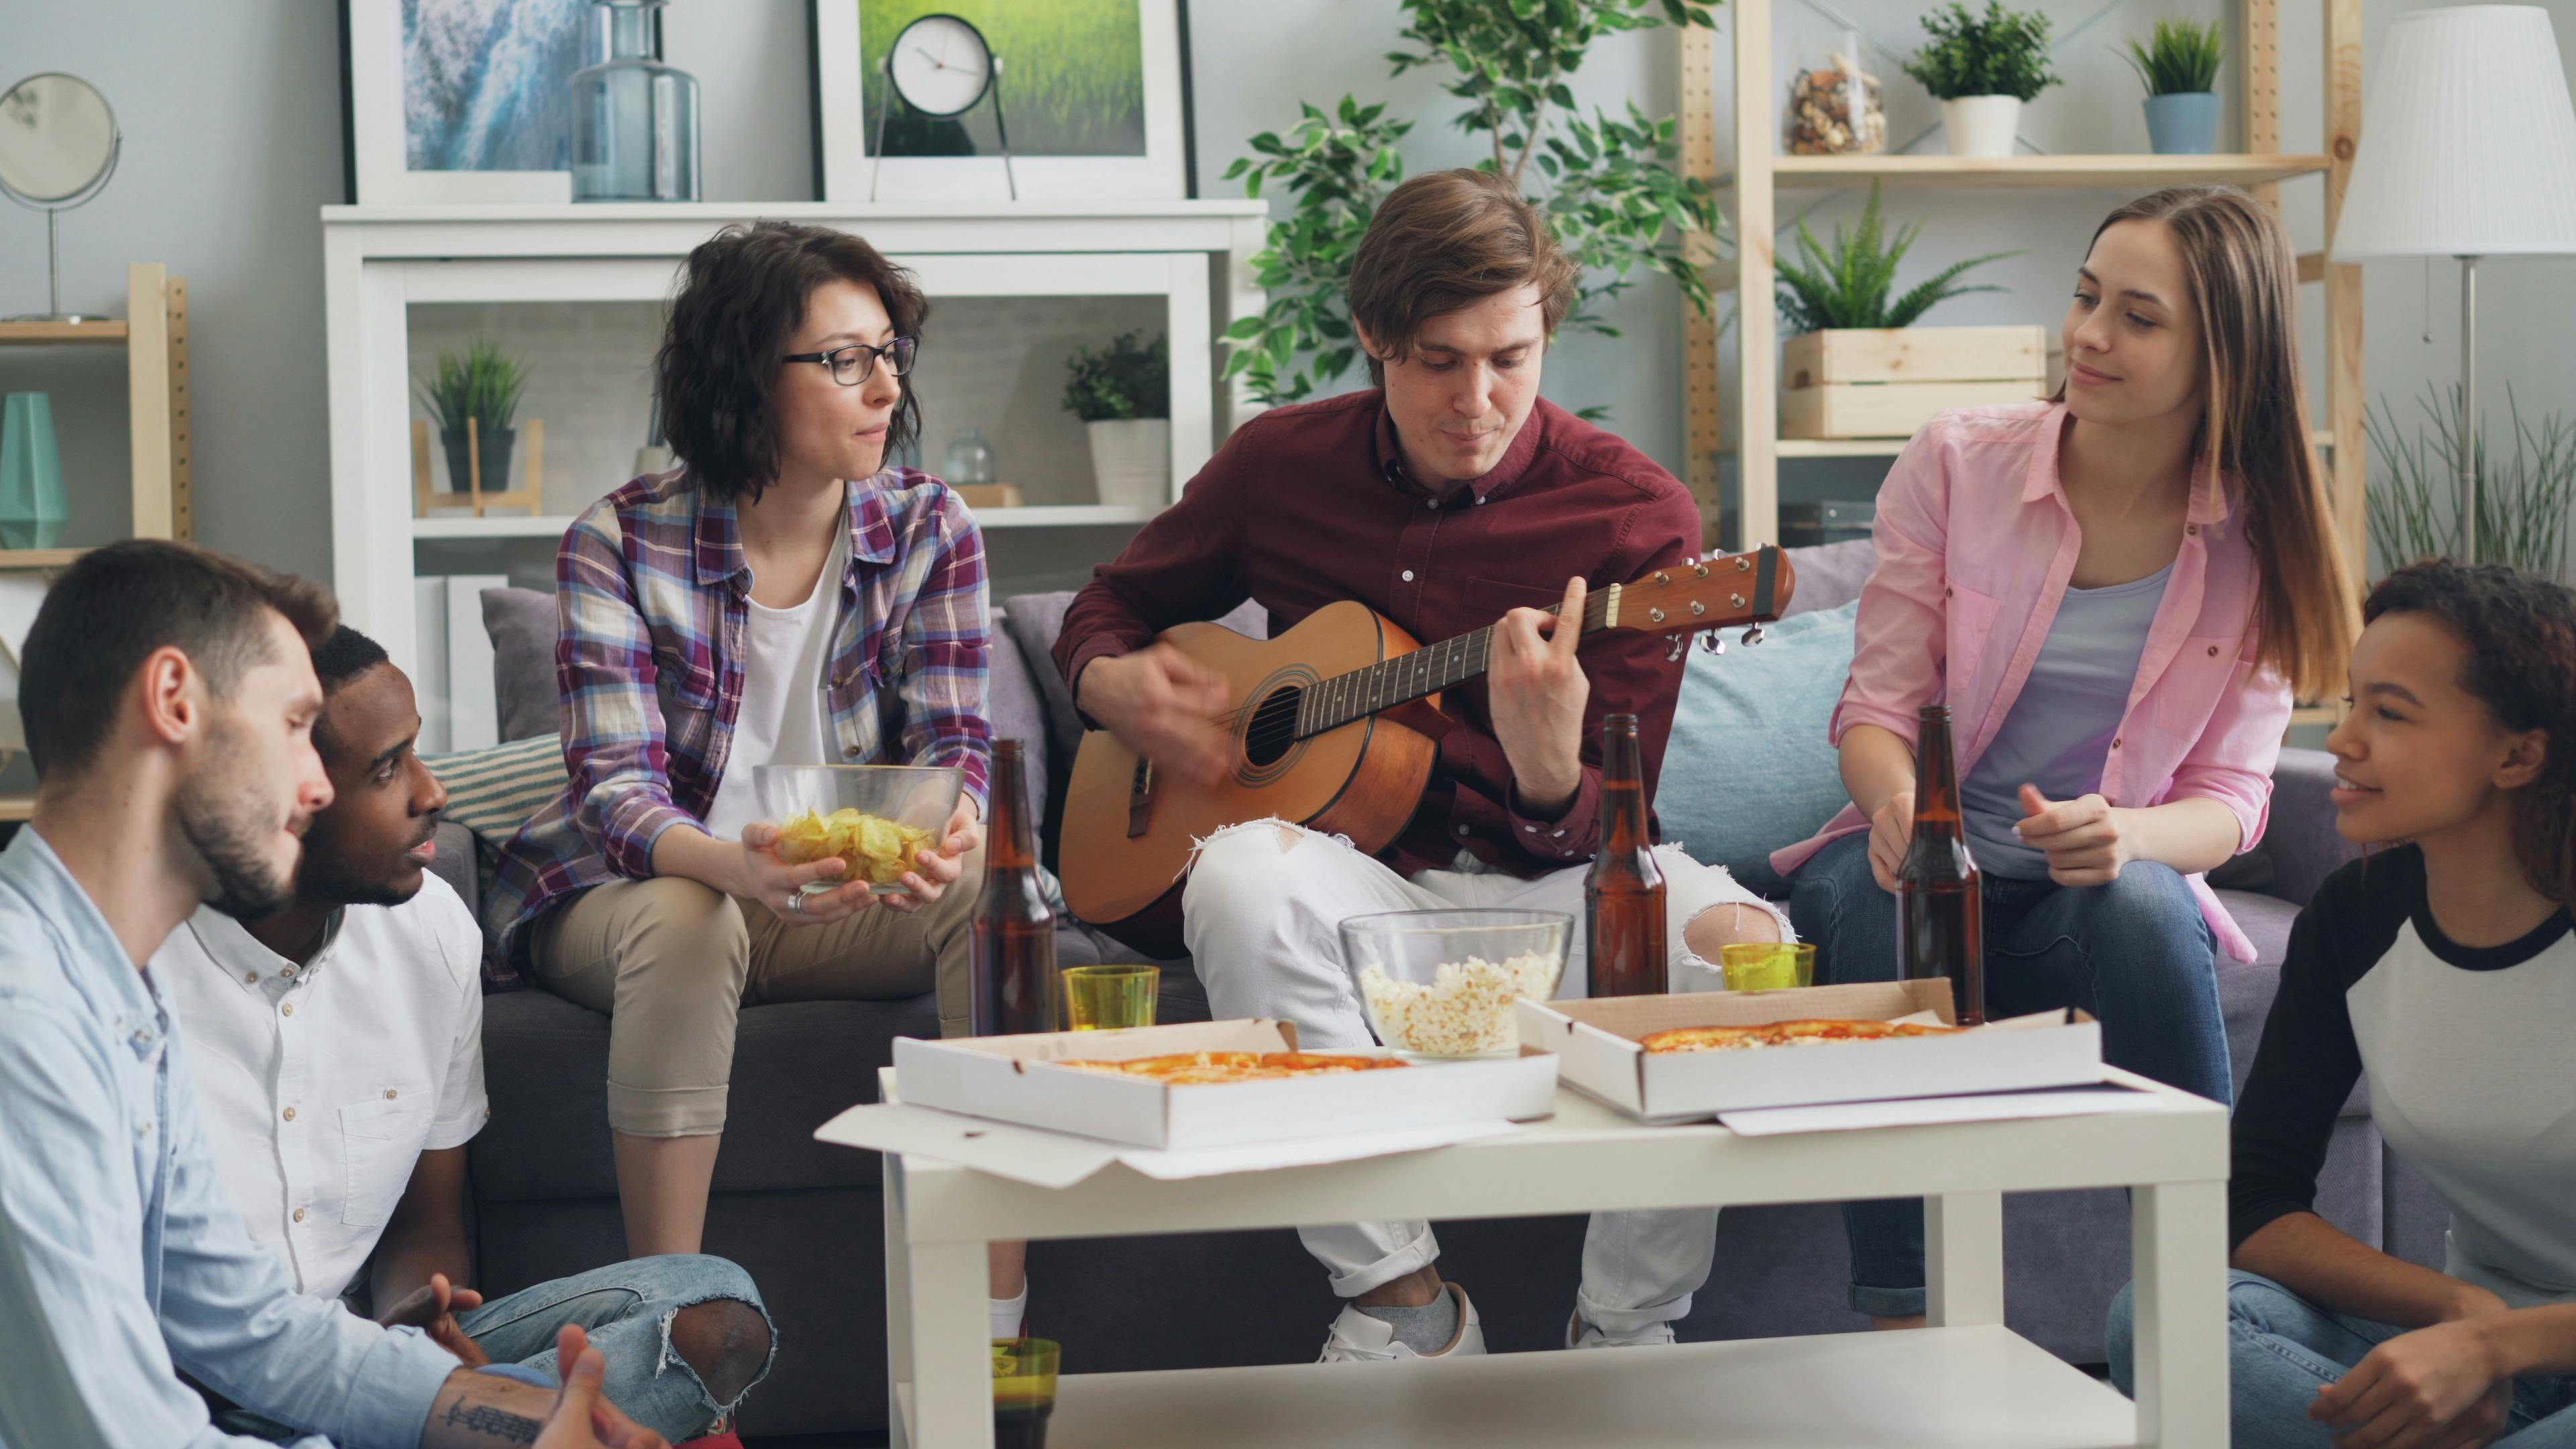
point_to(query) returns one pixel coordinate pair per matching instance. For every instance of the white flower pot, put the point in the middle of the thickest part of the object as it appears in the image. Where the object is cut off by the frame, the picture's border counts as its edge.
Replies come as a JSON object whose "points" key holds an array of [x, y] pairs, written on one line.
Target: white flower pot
{"points": [[1132, 459], [1981, 125]]}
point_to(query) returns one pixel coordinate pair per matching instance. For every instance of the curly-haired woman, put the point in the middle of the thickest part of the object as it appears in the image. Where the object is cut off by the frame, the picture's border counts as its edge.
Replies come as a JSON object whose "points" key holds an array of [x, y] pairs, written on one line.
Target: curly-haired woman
{"points": [[785, 597], [2444, 965]]}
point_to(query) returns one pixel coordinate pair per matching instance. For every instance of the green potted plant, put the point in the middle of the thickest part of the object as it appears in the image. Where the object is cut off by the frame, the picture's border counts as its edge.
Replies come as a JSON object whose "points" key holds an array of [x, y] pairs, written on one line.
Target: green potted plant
{"points": [[482, 386], [1857, 366], [1611, 185], [2525, 492], [2180, 70], [1123, 394], [1981, 69]]}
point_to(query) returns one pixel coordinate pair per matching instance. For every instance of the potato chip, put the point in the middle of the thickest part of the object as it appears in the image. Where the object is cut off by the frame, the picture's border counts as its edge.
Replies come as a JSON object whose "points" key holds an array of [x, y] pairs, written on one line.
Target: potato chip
{"points": [[873, 848]]}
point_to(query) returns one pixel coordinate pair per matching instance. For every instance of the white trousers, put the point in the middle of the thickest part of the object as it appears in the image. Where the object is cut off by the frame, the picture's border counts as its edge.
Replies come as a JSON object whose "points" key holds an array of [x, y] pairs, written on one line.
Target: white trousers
{"points": [[1262, 917]]}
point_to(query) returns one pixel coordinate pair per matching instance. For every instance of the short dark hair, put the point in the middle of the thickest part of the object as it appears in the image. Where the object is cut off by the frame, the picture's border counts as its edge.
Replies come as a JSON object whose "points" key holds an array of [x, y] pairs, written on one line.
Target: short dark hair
{"points": [[344, 656], [744, 296], [114, 606], [1443, 242], [2520, 631]]}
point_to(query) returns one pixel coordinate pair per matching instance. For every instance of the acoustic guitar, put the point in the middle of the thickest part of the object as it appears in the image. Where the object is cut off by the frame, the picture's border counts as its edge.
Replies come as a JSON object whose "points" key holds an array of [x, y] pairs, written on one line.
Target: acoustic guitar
{"points": [[1336, 727]]}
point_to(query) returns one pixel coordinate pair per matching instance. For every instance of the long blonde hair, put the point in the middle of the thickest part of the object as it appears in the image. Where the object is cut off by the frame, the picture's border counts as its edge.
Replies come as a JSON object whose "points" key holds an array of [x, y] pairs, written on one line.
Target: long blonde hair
{"points": [[2255, 428]]}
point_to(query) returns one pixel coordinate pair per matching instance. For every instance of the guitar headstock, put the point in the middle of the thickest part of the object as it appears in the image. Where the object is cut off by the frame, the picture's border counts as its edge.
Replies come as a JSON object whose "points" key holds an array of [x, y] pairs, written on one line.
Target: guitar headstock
{"points": [[1750, 589]]}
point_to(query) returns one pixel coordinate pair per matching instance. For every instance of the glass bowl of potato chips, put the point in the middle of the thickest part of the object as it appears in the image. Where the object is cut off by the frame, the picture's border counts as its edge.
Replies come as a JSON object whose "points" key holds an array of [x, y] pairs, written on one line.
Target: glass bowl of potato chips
{"points": [[876, 819]]}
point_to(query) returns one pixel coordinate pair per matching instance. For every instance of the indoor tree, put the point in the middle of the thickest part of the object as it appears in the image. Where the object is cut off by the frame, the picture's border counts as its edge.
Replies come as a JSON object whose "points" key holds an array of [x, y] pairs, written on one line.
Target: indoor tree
{"points": [[1610, 186]]}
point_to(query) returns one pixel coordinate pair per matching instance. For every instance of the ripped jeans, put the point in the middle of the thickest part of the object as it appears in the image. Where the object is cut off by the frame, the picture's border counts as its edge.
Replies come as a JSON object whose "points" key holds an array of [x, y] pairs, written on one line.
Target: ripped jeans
{"points": [[1262, 917], [626, 1308]]}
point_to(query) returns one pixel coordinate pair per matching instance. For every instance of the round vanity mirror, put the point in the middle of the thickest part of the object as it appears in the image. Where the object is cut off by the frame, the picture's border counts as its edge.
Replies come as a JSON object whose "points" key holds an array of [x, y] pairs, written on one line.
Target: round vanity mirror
{"points": [[58, 146]]}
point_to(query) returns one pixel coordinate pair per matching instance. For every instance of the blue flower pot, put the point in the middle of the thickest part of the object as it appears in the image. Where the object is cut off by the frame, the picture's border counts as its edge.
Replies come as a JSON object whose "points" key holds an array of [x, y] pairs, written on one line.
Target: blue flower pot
{"points": [[32, 507], [2184, 123]]}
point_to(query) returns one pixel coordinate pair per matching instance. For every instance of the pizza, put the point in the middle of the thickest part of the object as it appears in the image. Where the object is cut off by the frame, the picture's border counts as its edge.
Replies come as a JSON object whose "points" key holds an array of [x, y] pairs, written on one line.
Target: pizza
{"points": [[1190, 1069], [1781, 1033]]}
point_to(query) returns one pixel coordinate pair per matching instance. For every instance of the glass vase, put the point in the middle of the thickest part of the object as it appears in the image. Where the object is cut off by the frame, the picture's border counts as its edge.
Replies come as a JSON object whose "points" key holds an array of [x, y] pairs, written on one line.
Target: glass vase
{"points": [[634, 119]]}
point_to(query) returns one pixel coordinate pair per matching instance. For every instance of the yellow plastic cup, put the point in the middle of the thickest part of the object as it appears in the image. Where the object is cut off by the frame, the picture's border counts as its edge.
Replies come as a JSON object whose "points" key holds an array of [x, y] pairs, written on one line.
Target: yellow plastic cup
{"points": [[1768, 965], [1023, 1391], [1106, 998]]}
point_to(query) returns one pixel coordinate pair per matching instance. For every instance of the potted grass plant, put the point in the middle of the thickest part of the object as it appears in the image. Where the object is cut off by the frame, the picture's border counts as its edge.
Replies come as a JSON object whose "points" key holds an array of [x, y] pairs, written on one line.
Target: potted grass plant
{"points": [[2179, 67], [1981, 68], [1856, 365], [482, 386], [1123, 394]]}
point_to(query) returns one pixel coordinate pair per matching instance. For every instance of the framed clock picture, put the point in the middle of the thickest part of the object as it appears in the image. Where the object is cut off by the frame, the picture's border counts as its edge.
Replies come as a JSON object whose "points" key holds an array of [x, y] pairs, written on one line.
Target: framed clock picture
{"points": [[997, 100]]}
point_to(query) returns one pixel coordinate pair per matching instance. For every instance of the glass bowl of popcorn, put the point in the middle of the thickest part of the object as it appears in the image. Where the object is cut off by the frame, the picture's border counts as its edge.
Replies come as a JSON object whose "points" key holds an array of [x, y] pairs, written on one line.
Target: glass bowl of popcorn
{"points": [[1441, 984], [876, 818]]}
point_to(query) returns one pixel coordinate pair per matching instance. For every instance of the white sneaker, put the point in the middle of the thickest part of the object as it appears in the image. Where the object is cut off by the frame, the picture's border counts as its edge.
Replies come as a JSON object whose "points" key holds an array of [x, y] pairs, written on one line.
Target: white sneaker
{"points": [[1359, 1338], [1579, 1334]]}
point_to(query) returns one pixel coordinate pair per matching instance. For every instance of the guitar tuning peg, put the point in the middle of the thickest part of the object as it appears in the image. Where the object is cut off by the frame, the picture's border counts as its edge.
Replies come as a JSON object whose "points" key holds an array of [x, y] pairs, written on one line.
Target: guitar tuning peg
{"points": [[1753, 634], [1675, 648], [1711, 642]]}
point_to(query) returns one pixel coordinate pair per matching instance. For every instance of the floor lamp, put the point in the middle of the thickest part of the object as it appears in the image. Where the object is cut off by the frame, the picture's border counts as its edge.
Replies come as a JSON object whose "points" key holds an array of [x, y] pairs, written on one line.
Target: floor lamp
{"points": [[2468, 150]]}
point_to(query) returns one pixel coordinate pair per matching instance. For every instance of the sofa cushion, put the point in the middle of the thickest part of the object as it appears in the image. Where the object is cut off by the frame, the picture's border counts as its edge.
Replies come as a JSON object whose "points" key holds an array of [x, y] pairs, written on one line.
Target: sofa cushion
{"points": [[1830, 574], [1748, 769], [795, 1065], [1015, 709], [522, 625]]}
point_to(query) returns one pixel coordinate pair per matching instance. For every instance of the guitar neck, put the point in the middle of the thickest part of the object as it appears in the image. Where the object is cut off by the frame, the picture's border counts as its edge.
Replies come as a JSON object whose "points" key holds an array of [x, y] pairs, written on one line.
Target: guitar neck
{"points": [[1331, 703]]}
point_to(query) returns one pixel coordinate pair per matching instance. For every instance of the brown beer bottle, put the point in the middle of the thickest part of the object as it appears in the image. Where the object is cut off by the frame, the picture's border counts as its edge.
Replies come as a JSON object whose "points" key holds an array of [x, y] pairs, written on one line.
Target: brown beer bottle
{"points": [[1015, 985], [1940, 902], [1623, 896]]}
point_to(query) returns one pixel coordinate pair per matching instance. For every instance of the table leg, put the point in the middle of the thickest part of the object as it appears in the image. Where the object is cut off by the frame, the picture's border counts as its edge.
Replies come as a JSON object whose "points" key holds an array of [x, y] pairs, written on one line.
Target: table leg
{"points": [[951, 1349], [898, 1291], [1963, 1259], [2178, 1249]]}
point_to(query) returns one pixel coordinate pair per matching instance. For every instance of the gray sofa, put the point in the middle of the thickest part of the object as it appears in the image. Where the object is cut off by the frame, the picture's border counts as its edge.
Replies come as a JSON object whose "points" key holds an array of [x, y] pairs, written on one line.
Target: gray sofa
{"points": [[804, 1218]]}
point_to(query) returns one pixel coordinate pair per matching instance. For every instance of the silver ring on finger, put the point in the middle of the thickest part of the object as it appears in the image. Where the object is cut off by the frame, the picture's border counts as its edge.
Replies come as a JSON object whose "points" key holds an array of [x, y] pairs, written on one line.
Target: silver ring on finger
{"points": [[796, 903]]}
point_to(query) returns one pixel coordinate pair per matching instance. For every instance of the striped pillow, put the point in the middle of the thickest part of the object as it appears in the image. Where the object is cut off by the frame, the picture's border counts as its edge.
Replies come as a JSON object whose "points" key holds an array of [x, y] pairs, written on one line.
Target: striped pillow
{"points": [[494, 791]]}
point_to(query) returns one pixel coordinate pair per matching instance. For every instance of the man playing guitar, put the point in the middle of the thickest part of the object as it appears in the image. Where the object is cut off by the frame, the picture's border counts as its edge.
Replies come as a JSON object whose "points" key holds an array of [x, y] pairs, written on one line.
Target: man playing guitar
{"points": [[1450, 496]]}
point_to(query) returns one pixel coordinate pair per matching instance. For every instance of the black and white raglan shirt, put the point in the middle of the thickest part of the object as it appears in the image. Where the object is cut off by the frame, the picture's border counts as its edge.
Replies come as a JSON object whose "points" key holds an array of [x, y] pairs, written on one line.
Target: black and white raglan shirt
{"points": [[2471, 1052]]}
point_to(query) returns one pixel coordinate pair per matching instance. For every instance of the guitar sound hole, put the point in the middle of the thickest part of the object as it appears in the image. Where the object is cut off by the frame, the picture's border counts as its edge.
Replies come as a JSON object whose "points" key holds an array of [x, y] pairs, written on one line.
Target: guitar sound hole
{"points": [[1273, 731]]}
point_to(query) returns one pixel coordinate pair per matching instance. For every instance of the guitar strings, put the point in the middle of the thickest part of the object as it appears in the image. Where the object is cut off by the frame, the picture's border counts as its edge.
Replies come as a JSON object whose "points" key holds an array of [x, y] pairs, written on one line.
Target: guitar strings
{"points": [[1595, 613]]}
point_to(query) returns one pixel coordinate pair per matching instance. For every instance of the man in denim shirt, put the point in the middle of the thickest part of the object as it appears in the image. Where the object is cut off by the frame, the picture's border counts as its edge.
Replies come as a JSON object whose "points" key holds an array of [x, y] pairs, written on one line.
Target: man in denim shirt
{"points": [[169, 701]]}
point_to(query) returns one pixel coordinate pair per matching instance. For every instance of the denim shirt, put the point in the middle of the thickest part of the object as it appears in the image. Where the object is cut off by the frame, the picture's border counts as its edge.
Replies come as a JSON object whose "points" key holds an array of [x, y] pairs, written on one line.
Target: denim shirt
{"points": [[121, 1261]]}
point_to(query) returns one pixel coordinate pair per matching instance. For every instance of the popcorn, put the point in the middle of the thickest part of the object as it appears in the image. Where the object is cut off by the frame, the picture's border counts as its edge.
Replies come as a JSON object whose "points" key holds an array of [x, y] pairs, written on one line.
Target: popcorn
{"points": [[1466, 1008]]}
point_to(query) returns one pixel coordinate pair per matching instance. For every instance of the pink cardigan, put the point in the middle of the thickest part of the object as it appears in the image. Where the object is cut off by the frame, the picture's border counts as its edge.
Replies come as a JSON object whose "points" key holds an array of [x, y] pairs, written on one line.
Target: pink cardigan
{"points": [[1975, 545]]}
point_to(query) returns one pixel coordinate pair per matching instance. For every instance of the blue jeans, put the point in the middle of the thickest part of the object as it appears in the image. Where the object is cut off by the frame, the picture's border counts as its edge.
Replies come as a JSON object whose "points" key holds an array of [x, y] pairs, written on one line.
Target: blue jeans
{"points": [[2281, 1348], [626, 1308], [2134, 953]]}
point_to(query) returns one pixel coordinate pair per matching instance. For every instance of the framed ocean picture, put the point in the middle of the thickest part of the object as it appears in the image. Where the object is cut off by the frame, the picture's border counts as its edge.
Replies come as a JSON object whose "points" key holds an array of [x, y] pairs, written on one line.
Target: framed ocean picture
{"points": [[462, 100], [1094, 95]]}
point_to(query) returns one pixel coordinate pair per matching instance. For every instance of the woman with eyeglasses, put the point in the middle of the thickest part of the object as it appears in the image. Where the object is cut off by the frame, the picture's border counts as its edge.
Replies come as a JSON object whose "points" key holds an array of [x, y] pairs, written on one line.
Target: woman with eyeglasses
{"points": [[785, 596]]}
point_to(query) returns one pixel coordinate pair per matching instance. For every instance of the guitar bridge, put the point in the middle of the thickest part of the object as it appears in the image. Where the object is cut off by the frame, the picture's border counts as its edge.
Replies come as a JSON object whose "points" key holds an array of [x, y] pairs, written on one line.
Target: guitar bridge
{"points": [[1140, 800]]}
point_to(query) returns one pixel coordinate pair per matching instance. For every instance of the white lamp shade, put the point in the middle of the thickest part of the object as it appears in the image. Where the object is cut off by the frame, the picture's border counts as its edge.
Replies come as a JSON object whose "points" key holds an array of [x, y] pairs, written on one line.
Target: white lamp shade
{"points": [[2468, 144]]}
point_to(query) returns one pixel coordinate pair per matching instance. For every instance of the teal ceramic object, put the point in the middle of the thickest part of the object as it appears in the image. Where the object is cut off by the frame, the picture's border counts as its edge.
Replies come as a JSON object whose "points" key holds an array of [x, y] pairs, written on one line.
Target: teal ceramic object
{"points": [[32, 508], [2184, 123]]}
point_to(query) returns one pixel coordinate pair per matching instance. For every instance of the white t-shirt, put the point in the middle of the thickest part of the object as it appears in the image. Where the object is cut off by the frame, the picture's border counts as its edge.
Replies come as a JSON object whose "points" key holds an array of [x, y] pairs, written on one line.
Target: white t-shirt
{"points": [[320, 1085], [786, 717]]}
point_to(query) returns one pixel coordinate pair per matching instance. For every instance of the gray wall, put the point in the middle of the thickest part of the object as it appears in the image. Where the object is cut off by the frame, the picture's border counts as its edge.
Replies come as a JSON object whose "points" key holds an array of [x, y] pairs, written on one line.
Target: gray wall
{"points": [[231, 120]]}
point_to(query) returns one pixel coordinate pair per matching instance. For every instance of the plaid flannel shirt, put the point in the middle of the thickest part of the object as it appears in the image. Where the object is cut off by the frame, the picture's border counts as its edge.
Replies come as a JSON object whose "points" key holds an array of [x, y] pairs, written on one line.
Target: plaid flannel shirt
{"points": [[651, 587]]}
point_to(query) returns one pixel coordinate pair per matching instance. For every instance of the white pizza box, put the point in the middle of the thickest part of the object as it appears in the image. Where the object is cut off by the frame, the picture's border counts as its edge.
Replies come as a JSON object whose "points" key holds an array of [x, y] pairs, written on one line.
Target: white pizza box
{"points": [[1015, 1079], [1596, 1044]]}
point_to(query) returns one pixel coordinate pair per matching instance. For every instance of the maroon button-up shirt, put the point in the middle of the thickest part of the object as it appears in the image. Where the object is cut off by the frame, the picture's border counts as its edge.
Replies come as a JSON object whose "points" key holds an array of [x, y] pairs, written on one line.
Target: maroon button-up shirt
{"points": [[1309, 505]]}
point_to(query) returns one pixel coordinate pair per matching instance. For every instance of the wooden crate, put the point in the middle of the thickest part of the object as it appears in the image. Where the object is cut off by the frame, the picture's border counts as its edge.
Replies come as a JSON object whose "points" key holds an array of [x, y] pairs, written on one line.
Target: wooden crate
{"points": [[1887, 409], [1914, 354]]}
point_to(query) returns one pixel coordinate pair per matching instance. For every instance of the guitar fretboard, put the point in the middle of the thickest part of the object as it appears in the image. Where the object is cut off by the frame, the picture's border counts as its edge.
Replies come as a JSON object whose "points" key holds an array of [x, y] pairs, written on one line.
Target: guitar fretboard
{"points": [[1329, 704]]}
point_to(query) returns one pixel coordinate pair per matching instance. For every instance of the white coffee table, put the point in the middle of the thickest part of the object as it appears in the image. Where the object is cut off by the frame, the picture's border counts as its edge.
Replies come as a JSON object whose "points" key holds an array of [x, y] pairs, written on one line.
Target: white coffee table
{"points": [[1966, 1381]]}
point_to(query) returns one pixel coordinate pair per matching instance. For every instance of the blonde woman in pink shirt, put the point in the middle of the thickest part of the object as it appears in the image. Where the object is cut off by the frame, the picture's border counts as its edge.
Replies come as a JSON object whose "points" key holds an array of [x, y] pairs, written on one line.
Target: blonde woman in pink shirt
{"points": [[2118, 592]]}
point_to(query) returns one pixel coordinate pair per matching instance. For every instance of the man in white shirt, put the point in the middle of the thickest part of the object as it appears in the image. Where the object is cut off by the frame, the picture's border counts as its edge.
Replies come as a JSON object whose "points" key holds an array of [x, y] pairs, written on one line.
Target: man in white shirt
{"points": [[338, 1050]]}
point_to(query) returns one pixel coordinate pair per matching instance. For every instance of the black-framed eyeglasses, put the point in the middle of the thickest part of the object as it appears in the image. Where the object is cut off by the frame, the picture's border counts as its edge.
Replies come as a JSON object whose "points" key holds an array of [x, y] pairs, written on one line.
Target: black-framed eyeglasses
{"points": [[855, 363]]}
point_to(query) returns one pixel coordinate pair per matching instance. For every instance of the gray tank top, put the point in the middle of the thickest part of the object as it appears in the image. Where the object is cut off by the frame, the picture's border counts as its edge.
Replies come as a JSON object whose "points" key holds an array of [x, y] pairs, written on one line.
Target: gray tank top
{"points": [[2058, 735]]}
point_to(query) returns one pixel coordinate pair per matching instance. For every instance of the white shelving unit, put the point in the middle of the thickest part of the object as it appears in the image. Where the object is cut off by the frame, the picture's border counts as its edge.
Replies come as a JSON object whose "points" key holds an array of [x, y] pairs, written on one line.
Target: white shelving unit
{"points": [[378, 262]]}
